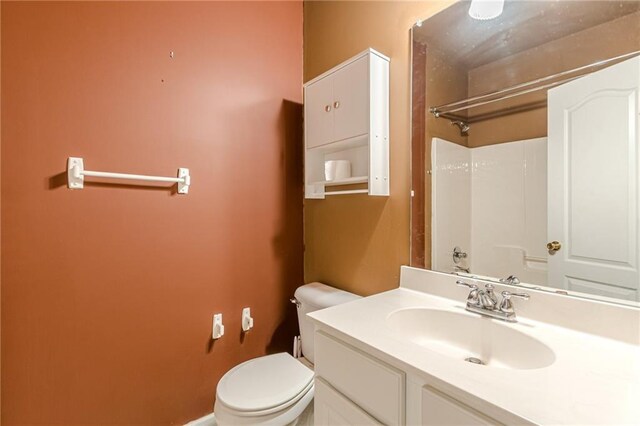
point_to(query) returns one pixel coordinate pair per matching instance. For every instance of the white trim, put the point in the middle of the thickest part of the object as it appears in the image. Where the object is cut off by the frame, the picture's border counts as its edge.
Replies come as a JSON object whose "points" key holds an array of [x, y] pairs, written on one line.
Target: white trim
{"points": [[347, 62]]}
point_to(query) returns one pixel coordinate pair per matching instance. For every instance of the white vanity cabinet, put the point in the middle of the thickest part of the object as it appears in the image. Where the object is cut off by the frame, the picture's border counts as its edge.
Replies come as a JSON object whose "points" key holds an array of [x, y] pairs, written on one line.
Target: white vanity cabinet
{"points": [[355, 388], [346, 117], [439, 409], [332, 408], [371, 385]]}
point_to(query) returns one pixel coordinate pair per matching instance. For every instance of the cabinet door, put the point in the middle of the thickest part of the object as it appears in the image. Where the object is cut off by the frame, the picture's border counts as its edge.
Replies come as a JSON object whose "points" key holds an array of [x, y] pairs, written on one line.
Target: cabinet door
{"points": [[333, 409], [351, 100], [317, 120], [439, 409], [371, 384]]}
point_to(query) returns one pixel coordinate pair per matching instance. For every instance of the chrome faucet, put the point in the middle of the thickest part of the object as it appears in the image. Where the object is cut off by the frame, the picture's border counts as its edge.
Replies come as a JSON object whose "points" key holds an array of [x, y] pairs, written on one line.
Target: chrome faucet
{"points": [[457, 268], [511, 279], [485, 302]]}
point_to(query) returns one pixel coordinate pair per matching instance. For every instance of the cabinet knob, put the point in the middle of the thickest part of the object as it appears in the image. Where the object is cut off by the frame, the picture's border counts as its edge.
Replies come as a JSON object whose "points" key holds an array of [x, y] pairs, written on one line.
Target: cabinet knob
{"points": [[327, 108], [336, 105]]}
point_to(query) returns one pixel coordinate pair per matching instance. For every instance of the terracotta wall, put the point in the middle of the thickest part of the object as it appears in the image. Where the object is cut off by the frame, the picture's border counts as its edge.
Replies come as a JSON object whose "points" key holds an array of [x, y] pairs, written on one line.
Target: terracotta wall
{"points": [[108, 293], [358, 242], [420, 229], [0, 215]]}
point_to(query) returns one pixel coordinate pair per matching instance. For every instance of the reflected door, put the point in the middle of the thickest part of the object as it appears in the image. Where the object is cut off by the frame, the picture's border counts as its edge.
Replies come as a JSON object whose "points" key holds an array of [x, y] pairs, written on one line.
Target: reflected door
{"points": [[593, 182]]}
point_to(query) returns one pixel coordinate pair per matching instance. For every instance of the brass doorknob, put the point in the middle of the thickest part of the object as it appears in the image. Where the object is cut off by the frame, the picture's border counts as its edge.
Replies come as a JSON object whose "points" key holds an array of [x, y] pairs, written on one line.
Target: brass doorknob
{"points": [[554, 246]]}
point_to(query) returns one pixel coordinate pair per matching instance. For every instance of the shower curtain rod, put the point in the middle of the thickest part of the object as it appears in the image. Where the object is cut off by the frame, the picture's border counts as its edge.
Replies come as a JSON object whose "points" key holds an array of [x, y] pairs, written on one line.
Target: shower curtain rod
{"points": [[522, 88]]}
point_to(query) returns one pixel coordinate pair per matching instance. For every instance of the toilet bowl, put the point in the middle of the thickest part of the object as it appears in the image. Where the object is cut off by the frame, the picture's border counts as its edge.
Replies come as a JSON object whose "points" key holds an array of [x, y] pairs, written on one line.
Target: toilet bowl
{"points": [[276, 389], [273, 389]]}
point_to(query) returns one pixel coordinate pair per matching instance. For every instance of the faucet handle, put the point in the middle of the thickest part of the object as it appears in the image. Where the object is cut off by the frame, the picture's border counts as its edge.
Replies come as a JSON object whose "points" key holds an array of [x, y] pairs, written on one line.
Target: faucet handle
{"points": [[506, 306], [472, 298], [511, 279], [489, 291], [508, 295], [463, 284]]}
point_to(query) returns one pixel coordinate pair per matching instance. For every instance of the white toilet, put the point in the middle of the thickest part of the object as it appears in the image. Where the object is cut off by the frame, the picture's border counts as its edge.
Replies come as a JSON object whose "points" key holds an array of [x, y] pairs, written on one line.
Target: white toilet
{"points": [[276, 389]]}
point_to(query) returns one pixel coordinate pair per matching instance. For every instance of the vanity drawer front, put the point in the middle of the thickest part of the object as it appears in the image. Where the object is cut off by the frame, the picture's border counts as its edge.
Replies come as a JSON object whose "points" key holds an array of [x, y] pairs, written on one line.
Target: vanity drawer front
{"points": [[373, 385], [333, 409], [439, 409]]}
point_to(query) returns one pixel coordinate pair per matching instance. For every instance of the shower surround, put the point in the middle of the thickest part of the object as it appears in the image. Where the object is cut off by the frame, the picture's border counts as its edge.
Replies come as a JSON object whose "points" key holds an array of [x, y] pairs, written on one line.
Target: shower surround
{"points": [[491, 201]]}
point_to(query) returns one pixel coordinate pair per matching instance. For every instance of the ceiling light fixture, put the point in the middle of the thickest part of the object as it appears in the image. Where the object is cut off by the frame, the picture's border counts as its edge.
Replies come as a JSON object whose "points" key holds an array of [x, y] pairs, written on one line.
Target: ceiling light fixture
{"points": [[484, 10]]}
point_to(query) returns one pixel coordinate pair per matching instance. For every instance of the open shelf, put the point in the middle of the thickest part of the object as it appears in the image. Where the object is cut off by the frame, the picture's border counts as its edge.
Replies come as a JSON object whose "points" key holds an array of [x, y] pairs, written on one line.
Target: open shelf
{"points": [[342, 145], [347, 192], [347, 181], [346, 118]]}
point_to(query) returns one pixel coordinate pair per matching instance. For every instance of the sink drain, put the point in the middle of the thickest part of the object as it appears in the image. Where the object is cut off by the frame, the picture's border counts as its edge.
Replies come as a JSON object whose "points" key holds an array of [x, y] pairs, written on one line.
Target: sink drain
{"points": [[474, 360]]}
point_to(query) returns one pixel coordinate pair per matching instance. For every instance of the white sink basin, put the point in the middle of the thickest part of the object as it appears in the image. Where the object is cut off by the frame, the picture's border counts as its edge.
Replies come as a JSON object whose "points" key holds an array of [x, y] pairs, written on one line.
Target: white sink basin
{"points": [[471, 338]]}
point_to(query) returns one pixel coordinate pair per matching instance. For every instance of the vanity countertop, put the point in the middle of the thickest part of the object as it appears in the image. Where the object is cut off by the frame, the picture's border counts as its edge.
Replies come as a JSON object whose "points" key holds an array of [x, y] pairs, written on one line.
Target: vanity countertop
{"points": [[594, 379]]}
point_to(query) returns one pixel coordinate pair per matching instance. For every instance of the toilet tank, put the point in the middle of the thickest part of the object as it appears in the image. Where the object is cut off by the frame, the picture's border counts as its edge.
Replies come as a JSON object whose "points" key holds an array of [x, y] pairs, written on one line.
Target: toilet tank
{"points": [[313, 297]]}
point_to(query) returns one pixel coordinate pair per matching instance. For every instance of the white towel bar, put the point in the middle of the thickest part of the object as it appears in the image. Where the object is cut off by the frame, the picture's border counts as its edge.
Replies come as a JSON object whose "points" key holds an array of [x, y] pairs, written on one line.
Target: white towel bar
{"points": [[76, 174]]}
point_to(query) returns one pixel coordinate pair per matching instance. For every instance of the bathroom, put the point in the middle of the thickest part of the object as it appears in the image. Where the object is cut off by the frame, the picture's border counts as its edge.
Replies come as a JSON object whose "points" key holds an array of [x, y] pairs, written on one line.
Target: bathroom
{"points": [[123, 298]]}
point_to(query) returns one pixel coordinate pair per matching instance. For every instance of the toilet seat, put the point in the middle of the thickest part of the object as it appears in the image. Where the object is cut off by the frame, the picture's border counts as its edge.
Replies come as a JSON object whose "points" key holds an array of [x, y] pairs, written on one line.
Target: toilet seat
{"points": [[264, 385], [286, 416]]}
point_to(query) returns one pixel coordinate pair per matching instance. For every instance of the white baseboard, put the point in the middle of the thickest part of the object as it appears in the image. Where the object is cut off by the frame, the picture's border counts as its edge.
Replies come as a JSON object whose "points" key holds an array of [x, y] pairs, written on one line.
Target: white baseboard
{"points": [[208, 420]]}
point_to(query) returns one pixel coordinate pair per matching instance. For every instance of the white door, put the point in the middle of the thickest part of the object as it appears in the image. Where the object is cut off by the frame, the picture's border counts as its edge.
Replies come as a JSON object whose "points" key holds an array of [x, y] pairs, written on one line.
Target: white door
{"points": [[593, 182], [318, 112], [351, 100]]}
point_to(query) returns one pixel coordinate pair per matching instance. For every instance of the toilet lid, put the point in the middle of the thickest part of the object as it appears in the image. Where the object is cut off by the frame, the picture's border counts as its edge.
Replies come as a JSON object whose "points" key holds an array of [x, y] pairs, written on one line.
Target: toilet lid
{"points": [[263, 383]]}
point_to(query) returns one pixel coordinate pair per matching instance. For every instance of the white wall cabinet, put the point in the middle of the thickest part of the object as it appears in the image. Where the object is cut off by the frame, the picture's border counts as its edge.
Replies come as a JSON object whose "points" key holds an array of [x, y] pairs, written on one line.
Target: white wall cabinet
{"points": [[318, 113], [346, 113], [355, 388]]}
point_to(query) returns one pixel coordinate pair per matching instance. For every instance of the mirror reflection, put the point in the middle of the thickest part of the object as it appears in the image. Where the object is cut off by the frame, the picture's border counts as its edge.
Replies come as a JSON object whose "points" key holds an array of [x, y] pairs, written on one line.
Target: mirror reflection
{"points": [[525, 135]]}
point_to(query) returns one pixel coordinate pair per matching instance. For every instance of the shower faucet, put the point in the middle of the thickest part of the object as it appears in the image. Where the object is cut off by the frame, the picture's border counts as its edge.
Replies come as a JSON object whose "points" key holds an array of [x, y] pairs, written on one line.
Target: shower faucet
{"points": [[457, 269]]}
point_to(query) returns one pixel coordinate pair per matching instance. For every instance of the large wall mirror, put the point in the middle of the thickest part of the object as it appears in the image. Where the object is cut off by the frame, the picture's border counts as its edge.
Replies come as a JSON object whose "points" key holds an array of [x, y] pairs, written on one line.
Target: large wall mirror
{"points": [[526, 146]]}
